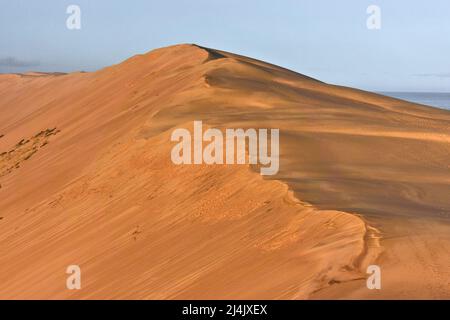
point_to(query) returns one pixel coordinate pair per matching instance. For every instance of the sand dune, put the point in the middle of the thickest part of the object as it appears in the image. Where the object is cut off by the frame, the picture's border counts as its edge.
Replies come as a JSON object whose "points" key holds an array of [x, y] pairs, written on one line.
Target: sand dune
{"points": [[364, 179]]}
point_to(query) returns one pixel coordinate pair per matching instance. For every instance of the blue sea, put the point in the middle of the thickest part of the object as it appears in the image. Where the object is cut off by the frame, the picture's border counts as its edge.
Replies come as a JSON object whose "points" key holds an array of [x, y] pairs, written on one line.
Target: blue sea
{"points": [[434, 99]]}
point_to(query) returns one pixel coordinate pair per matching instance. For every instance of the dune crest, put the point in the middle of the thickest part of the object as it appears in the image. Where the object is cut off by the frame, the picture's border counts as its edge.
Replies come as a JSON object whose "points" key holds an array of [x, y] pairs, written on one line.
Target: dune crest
{"points": [[104, 194]]}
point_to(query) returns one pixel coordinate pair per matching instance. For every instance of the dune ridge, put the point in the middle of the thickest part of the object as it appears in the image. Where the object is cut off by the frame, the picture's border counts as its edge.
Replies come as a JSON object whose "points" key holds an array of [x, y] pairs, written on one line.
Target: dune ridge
{"points": [[103, 193]]}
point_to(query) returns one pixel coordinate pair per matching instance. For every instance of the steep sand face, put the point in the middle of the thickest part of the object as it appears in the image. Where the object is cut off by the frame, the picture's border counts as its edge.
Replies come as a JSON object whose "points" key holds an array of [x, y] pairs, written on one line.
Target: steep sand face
{"points": [[87, 179], [142, 228]]}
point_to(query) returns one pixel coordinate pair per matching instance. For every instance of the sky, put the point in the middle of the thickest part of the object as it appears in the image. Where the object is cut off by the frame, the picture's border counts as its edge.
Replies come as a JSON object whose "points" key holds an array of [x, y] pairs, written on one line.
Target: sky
{"points": [[326, 39]]}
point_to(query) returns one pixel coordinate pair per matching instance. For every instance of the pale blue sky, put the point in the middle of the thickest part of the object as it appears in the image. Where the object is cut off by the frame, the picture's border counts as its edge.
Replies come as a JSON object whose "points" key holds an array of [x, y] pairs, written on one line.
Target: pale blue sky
{"points": [[326, 39]]}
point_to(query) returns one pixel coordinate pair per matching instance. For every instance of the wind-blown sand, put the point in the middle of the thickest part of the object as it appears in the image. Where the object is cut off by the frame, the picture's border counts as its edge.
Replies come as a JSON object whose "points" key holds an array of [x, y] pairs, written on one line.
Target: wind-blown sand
{"points": [[86, 179]]}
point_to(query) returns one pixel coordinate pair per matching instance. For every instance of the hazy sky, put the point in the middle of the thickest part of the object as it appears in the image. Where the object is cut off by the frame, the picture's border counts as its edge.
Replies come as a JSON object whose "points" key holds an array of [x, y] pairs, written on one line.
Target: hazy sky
{"points": [[326, 39]]}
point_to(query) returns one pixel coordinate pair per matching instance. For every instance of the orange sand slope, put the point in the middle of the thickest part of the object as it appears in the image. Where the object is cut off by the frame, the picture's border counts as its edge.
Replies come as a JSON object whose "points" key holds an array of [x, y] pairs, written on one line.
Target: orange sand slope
{"points": [[86, 179]]}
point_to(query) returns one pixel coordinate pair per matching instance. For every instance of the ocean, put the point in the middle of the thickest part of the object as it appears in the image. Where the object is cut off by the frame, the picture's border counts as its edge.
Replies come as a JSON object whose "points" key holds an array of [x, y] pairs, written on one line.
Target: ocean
{"points": [[435, 99]]}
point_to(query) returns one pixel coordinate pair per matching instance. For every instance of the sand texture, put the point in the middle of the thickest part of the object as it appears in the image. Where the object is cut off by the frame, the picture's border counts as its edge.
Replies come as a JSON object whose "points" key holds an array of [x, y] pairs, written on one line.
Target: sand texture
{"points": [[86, 179]]}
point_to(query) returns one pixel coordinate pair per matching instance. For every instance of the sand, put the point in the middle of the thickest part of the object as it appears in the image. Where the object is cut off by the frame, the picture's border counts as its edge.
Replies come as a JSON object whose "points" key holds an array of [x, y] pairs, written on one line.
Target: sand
{"points": [[87, 179]]}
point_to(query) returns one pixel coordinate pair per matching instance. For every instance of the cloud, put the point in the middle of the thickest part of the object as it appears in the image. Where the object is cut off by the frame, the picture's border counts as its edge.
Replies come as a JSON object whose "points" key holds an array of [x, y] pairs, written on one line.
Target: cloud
{"points": [[17, 63], [437, 75]]}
